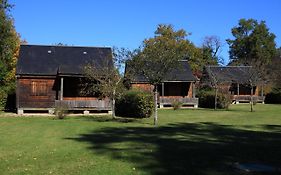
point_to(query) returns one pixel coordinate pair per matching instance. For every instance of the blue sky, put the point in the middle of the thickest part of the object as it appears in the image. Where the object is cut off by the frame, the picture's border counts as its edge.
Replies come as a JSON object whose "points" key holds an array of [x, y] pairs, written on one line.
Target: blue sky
{"points": [[126, 23]]}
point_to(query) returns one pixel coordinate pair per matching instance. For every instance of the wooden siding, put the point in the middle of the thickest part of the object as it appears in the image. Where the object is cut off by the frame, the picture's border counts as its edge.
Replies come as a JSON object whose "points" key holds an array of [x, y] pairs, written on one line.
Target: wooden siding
{"points": [[183, 89], [85, 104], [186, 101], [30, 96], [190, 90], [143, 86], [247, 98], [80, 98]]}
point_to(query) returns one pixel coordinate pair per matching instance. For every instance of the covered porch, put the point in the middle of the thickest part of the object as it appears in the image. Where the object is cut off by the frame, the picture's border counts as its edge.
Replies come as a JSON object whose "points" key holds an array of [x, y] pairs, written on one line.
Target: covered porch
{"points": [[241, 93], [183, 92], [72, 95]]}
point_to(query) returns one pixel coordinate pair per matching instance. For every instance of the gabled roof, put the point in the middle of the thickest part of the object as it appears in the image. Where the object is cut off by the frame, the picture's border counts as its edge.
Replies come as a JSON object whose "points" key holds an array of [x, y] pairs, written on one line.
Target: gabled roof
{"points": [[237, 74], [182, 73], [64, 60]]}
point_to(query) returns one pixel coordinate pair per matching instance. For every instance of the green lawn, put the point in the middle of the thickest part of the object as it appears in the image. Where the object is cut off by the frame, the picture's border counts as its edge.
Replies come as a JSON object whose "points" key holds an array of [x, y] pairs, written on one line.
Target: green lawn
{"points": [[186, 141]]}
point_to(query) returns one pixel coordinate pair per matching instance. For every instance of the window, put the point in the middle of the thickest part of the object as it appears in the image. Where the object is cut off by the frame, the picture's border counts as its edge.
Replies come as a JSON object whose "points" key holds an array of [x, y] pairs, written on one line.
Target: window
{"points": [[38, 88]]}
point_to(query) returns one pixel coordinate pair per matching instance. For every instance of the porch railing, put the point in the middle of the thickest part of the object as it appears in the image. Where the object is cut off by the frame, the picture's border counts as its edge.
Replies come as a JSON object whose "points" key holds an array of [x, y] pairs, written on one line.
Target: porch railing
{"points": [[247, 98], [184, 100], [85, 104]]}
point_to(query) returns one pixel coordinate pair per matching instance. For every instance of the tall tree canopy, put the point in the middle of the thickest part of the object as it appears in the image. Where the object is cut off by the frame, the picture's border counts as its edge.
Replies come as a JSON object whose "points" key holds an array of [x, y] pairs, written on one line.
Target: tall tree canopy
{"points": [[253, 44], [9, 46]]}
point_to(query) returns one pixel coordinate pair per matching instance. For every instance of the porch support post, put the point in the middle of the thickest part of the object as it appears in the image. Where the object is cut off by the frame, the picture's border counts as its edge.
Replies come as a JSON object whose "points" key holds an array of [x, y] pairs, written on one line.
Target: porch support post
{"points": [[162, 95], [262, 93], [193, 90], [61, 88], [163, 89], [262, 90], [238, 93]]}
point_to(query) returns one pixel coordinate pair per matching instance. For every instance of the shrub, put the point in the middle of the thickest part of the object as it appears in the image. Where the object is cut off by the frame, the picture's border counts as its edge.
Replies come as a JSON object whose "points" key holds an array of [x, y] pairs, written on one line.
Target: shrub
{"points": [[135, 104], [207, 99], [3, 99], [61, 111], [7, 97], [176, 104], [274, 97]]}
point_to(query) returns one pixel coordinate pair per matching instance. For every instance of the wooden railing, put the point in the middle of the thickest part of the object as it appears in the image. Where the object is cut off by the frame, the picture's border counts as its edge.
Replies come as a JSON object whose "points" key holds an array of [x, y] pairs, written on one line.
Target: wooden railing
{"points": [[85, 104], [184, 100], [247, 98]]}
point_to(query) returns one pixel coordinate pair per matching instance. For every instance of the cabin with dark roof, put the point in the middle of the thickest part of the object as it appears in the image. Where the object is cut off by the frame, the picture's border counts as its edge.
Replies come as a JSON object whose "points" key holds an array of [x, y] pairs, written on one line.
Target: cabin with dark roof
{"points": [[178, 85], [235, 80], [50, 76]]}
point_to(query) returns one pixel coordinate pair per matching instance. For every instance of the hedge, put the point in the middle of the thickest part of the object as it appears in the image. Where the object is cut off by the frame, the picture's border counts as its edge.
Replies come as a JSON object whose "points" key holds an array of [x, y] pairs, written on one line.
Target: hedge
{"points": [[135, 104], [207, 99], [274, 97]]}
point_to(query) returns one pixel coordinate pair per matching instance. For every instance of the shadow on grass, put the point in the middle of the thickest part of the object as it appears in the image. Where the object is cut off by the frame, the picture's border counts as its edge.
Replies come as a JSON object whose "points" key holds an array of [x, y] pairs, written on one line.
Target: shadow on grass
{"points": [[202, 148]]}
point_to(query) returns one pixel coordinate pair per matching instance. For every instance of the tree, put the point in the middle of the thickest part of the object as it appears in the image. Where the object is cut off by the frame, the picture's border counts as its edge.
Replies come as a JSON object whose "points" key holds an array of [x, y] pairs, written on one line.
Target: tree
{"points": [[104, 78], [9, 49], [160, 55], [253, 80], [211, 48], [275, 71], [253, 44]]}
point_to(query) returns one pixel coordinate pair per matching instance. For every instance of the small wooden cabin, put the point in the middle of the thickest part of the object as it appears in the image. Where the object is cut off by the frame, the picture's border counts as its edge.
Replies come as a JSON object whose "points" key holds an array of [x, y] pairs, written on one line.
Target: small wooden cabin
{"points": [[50, 76], [178, 85], [235, 81]]}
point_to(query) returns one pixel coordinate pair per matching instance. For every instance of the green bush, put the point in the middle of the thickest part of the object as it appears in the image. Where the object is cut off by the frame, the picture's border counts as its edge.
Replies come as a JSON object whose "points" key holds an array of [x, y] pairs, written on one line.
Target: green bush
{"points": [[135, 104], [274, 97], [61, 111], [7, 97], [3, 99], [207, 99]]}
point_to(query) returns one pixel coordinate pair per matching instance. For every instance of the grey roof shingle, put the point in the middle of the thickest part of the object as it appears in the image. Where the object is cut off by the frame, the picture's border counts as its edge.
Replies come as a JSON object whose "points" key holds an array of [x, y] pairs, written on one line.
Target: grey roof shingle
{"points": [[182, 73], [238, 74], [53, 60]]}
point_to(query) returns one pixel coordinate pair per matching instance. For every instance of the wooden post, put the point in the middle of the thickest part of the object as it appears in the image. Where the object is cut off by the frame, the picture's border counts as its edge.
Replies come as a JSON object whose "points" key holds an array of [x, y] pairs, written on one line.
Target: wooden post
{"points": [[193, 90], [61, 88], [262, 90], [238, 90], [252, 89], [163, 90], [262, 93]]}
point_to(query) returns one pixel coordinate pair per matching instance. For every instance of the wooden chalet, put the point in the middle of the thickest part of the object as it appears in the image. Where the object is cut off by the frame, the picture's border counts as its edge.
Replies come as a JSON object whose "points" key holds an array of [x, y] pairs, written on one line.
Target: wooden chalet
{"points": [[50, 76], [234, 80], [178, 85]]}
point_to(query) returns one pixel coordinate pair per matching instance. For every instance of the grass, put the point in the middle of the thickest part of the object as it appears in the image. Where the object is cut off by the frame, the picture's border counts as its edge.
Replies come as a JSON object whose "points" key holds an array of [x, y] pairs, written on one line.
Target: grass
{"points": [[185, 142]]}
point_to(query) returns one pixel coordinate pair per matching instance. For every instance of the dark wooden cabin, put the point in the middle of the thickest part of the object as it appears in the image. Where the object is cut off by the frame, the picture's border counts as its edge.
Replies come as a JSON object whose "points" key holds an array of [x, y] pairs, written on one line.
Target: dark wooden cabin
{"points": [[50, 76], [178, 85], [235, 80]]}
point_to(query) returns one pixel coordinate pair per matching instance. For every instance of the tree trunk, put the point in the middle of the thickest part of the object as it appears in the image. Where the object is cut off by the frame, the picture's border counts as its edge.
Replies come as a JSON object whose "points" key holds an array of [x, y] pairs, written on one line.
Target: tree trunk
{"points": [[252, 99], [113, 104], [155, 106], [216, 98]]}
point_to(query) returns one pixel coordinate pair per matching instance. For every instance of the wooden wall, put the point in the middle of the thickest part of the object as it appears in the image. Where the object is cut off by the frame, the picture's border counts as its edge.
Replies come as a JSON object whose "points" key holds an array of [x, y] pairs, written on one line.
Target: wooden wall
{"points": [[36, 93], [171, 89], [143, 86]]}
